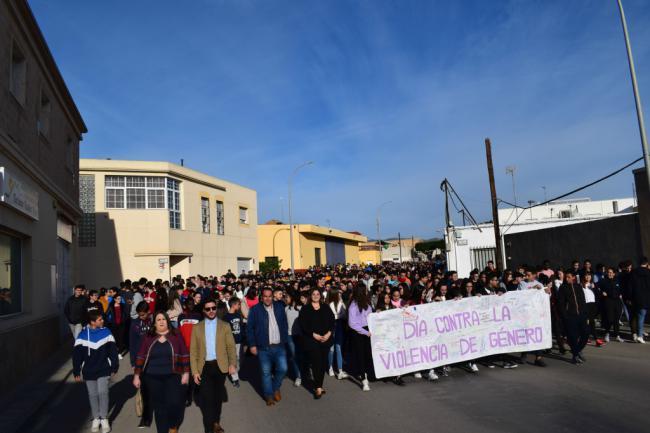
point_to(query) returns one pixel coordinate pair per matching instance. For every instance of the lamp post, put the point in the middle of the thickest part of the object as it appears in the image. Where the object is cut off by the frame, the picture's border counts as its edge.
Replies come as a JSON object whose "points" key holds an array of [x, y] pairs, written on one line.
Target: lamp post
{"points": [[637, 97], [378, 227], [291, 211]]}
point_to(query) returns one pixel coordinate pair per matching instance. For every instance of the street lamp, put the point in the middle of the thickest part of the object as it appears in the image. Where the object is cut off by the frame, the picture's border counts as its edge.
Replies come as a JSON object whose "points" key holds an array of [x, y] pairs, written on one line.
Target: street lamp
{"points": [[378, 227], [291, 210], [637, 97], [511, 171]]}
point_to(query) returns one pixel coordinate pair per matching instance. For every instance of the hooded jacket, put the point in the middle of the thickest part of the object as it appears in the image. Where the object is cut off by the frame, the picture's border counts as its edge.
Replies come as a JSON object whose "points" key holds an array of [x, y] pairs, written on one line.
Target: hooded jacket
{"points": [[94, 354]]}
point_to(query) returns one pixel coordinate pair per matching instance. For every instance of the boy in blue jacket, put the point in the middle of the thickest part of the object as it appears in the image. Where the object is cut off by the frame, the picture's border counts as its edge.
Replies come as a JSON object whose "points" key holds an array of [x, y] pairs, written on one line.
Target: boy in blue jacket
{"points": [[95, 358]]}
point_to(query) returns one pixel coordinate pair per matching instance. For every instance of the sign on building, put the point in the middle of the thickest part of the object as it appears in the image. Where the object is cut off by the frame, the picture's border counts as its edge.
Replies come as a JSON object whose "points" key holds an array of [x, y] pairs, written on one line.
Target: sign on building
{"points": [[17, 194]]}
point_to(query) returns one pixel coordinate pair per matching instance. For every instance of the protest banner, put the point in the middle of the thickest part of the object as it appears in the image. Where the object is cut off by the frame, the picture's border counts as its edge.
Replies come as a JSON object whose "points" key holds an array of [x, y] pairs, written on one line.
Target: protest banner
{"points": [[425, 336]]}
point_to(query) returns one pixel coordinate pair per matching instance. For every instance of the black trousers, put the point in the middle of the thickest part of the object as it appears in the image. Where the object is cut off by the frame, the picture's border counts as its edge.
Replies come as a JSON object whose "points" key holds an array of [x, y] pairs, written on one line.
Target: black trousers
{"points": [[212, 393], [576, 332], [592, 312], [362, 354], [317, 353], [613, 310], [167, 399], [147, 409]]}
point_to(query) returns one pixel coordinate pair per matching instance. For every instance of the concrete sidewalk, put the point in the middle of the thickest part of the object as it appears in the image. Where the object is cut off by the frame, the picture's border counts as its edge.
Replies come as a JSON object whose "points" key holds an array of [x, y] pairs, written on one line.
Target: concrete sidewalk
{"points": [[25, 401]]}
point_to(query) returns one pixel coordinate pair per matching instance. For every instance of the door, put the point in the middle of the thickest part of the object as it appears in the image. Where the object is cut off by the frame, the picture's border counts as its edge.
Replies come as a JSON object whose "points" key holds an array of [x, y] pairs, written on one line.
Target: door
{"points": [[317, 257], [63, 286], [243, 265], [334, 251]]}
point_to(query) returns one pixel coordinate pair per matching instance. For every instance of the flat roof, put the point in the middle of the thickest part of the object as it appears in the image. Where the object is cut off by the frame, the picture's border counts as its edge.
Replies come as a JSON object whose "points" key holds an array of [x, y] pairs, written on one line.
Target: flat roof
{"points": [[317, 230], [162, 167]]}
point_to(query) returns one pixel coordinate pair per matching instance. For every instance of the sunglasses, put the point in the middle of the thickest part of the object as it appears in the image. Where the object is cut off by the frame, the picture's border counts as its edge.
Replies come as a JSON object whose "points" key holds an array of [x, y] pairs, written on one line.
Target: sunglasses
{"points": [[206, 309]]}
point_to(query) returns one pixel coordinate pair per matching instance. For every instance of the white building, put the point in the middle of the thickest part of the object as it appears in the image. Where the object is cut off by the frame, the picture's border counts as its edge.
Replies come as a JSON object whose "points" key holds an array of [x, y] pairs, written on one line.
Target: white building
{"points": [[470, 247]]}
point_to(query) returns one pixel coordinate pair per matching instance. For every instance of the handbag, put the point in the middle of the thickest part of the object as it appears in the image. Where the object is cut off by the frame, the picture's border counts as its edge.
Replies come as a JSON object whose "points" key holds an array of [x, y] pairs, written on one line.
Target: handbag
{"points": [[139, 405]]}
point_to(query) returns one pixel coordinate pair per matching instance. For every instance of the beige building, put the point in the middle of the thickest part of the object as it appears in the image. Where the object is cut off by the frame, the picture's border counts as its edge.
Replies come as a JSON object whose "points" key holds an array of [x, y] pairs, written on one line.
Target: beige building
{"points": [[40, 130], [313, 245], [159, 220]]}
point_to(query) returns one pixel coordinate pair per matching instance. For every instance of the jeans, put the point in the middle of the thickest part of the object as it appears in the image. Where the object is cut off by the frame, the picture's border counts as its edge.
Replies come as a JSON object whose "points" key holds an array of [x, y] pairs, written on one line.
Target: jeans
{"points": [[272, 357], [338, 339], [293, 356], [98, 396], [75, 329], [641, 313]]}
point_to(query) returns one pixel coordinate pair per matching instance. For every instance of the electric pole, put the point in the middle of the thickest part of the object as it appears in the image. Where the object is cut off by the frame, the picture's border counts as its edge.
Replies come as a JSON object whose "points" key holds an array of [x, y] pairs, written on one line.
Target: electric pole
{"points": [[495, 211]]}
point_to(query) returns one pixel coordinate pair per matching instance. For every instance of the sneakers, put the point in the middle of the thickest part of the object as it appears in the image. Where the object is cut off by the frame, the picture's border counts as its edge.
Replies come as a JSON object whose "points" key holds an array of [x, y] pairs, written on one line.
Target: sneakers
{"points": [[619, 339], [331, 372], [576, 361], [445, 370], [366, 385], [607, 338], [235, 383], [634, 338], [399, 381], [119, 356], [640, 340], [432, 375], [540, 362], [94, 427], [473, 367], [297, 382], [418, 375], [106, 427], [510, 365], [342, 375]]}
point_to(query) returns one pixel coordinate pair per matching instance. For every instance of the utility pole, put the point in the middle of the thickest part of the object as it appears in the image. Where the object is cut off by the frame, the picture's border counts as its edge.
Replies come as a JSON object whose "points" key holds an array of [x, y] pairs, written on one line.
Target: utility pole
{"points": [[399, 242], [462, 212], [637, 97], [495, 211], [291, 214]]}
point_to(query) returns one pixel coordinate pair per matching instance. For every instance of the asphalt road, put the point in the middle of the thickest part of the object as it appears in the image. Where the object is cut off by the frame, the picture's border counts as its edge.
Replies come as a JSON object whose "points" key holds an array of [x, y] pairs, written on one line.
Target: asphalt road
{"points": [[608, 393]]}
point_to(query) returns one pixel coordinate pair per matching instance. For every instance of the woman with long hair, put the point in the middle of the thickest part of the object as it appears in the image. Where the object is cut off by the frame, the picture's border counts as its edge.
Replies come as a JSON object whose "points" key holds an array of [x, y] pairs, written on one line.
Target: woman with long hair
{"points": [[317, 325], [174, 306], [163, 364], [589, 289], [360, 336], [292, 309], [337, 306]]}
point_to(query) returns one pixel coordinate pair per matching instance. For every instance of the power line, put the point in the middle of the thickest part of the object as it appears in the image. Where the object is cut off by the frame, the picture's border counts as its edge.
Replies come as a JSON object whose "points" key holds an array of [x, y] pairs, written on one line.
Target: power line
{"points": [[614, 173]]}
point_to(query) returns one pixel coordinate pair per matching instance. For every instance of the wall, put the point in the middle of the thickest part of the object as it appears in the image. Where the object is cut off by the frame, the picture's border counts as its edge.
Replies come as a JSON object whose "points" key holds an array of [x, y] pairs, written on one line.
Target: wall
{"points": [[606, 241], [643, 198]]}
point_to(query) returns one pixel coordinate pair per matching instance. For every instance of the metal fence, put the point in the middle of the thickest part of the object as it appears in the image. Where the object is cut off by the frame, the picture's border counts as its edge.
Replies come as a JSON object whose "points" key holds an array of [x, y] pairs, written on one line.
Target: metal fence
{"points": [[480, 257]]}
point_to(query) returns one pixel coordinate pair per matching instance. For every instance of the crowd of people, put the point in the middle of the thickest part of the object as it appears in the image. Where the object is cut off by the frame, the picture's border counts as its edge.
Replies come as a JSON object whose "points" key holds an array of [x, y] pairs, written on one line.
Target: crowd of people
{"points": [[186, 337]]}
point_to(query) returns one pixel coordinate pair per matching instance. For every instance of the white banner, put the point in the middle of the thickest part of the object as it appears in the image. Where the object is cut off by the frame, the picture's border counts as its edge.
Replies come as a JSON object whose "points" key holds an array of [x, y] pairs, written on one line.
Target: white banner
{"points": [[425, 336]]}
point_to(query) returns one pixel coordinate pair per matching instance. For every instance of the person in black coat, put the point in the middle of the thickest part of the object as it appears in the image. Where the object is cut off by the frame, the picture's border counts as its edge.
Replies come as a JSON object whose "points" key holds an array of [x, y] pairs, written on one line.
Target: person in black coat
{"points": [[640, 297], [612, 296], [572, 308], [317, 325]]}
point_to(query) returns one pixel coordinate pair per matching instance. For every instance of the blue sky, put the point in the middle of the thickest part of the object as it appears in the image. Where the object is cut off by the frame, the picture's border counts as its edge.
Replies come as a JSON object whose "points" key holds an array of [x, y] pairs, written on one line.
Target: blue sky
{"points": [[388, 98]]}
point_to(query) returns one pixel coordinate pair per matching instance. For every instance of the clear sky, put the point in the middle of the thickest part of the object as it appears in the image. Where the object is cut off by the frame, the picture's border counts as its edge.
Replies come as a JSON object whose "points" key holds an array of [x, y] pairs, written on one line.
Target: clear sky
{"points": [[387, 97]]}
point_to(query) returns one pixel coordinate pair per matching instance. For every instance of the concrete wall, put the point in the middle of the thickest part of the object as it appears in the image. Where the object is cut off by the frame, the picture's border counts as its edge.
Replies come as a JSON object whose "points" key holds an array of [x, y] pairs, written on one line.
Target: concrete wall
{"points": [[643, 200], [606, 241]]}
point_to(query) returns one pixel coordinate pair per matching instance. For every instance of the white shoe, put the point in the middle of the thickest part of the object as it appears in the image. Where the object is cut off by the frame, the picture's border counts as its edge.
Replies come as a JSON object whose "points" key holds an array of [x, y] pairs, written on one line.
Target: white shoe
{"points": [[474, 367], [94, 427], [366, 385], [640, 340], [297, 382], [418, 375], [331, 372], [607, 338], [619, 339], [645, 334], [432, 375], [342, 375], [119, 356], [105, 425], [634, 338]]}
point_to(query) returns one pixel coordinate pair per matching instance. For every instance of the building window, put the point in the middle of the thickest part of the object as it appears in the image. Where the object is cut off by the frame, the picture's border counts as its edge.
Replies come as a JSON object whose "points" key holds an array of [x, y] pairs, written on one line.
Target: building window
{"points": [[135, 198], [220, 218], [243, 215], [18, 77], [174, 203], [43, 122], [87, 224], [10, 275], [114, 198], [205, 214], [69, 155]]}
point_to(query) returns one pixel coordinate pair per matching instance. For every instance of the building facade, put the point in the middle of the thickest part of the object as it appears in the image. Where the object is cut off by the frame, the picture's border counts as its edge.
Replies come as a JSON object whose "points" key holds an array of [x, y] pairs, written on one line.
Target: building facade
{"points": [[470, 247], [40, 130], [313, 245], [158, 220]]}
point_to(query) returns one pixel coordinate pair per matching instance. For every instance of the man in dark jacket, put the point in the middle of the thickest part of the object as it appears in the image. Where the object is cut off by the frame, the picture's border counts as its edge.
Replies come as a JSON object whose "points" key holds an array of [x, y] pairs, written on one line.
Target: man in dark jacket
{"points": [[267, 332], [573, 310], [640, 297], [75, 310]]}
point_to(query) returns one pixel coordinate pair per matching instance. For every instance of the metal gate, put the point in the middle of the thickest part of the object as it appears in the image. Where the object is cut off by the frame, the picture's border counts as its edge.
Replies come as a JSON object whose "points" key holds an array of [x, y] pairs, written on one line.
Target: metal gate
{"points": [[334, 251], [480, 257]]}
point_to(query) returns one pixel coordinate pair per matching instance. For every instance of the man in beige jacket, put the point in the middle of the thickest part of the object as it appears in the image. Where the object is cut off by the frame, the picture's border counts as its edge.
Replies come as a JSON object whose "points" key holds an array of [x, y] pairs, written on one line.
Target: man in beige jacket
{"points": [[212, 357]]}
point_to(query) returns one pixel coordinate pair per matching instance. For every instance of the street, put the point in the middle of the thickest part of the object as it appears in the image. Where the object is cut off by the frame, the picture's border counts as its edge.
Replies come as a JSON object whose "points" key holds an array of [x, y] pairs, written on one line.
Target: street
{"points": [[607, 393]]}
